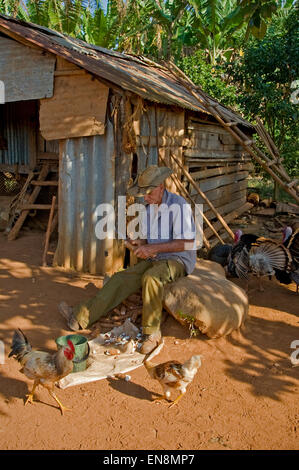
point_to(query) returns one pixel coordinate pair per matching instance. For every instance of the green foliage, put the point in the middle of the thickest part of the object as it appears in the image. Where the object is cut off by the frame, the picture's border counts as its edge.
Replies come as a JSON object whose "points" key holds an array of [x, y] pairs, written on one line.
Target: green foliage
{"points": [[264, 76], [259, 38], [210, 78], [190, 320]]}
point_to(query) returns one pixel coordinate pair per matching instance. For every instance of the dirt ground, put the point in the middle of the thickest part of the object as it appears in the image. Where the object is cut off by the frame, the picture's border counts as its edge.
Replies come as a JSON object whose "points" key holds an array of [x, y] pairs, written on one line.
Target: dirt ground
{"points": [[245, 395]]}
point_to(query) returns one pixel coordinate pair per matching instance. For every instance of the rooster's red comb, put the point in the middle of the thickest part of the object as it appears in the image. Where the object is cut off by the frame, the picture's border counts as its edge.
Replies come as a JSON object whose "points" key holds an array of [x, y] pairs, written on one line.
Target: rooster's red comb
{"points": [[71, 345]]}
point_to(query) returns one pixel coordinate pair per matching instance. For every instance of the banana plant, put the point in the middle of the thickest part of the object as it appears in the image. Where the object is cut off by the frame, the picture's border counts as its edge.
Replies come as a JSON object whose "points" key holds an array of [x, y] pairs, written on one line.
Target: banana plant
{"points": [[214, 27]]}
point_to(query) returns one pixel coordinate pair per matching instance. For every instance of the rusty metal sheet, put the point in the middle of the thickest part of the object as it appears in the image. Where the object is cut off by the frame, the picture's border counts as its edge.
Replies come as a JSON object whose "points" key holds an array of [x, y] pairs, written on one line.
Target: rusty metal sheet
{"points": [[27, 73]]}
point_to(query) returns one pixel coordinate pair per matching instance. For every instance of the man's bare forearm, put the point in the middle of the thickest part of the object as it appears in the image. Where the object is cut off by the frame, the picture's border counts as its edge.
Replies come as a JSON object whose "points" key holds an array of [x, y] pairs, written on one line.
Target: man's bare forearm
{"points": [[171, 247], [151, 250]]}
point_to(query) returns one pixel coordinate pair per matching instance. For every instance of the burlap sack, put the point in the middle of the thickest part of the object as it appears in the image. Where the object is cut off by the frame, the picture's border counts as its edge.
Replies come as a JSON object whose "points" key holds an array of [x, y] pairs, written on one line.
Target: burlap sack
{"points": [[216, 304]]}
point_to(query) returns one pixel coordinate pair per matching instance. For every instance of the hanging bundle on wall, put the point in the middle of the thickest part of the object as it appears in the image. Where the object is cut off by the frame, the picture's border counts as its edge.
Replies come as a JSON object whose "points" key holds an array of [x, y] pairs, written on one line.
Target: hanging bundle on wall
{"points": [[129, 143]]}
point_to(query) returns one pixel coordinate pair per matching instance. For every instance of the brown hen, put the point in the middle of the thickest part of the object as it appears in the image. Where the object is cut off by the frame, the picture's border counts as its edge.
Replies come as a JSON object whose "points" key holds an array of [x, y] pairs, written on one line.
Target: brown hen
{"points": [[174, 375]]}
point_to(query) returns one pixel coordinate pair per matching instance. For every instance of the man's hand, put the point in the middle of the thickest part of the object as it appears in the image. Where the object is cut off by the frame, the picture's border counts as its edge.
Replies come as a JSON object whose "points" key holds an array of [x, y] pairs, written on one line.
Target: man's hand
{"points": [[137, 242], [146, 251]]}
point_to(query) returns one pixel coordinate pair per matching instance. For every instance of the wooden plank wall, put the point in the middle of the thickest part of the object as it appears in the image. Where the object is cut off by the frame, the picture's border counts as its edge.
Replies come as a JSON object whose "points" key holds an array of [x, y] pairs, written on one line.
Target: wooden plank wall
{"points": [[161, 127], [219, 165]]}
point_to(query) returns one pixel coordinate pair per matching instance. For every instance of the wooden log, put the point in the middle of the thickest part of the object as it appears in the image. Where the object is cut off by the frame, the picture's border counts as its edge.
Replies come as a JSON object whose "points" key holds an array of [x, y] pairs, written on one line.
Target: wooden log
{"points": [[44, 183], [47, 239], [270, 211], [287, 207], [195, 185], [18, 225]]}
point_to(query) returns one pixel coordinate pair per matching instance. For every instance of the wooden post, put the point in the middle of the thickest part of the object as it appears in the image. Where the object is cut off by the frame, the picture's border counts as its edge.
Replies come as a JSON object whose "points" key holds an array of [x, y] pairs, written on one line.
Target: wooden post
{"points": [[48, 233]]}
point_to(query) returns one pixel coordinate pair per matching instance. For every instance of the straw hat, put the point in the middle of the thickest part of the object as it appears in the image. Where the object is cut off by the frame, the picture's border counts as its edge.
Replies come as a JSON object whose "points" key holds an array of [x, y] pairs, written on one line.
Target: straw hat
{"points": [[148, 180]]}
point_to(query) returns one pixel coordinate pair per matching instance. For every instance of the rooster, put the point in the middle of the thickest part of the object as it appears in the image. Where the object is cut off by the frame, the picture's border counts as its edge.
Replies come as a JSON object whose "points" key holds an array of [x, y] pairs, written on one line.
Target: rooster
{"points": [[44, 368], [261, 259], [174, 375]]}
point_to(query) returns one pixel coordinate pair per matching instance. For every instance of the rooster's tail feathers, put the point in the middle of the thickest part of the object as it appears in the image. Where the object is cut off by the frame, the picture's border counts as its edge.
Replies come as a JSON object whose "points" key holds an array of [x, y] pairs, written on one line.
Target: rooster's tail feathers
{"points": [[20, 345]]}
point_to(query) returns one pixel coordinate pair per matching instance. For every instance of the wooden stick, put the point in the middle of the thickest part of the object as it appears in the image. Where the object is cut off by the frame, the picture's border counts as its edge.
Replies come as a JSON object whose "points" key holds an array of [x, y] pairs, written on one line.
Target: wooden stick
{"points": [[48, 231], [44, 183], [264, 135], [204, 197], [54, 223], [26, 207]]}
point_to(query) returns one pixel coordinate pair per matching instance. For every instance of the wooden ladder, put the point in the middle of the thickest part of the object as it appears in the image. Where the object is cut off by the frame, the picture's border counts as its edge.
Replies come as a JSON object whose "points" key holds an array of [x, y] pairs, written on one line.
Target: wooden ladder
{"points": [[22, 209], [273, 167], [276, 161]]}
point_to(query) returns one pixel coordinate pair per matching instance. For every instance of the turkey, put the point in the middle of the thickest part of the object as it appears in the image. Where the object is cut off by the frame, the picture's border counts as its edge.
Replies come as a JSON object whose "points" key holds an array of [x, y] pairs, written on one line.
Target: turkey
{"points": [[246, 240], [263, 257], [220, 253]]}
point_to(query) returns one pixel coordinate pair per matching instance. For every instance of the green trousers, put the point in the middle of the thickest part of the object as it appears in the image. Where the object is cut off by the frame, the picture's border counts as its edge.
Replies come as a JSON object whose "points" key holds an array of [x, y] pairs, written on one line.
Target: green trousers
{"points": [[150, 275]]}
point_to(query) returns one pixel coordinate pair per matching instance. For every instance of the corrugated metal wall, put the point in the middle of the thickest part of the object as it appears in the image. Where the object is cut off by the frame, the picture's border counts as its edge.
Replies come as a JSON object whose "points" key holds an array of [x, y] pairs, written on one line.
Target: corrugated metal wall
{"points": [[18, 127], [86, 179], [95, 170]]}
